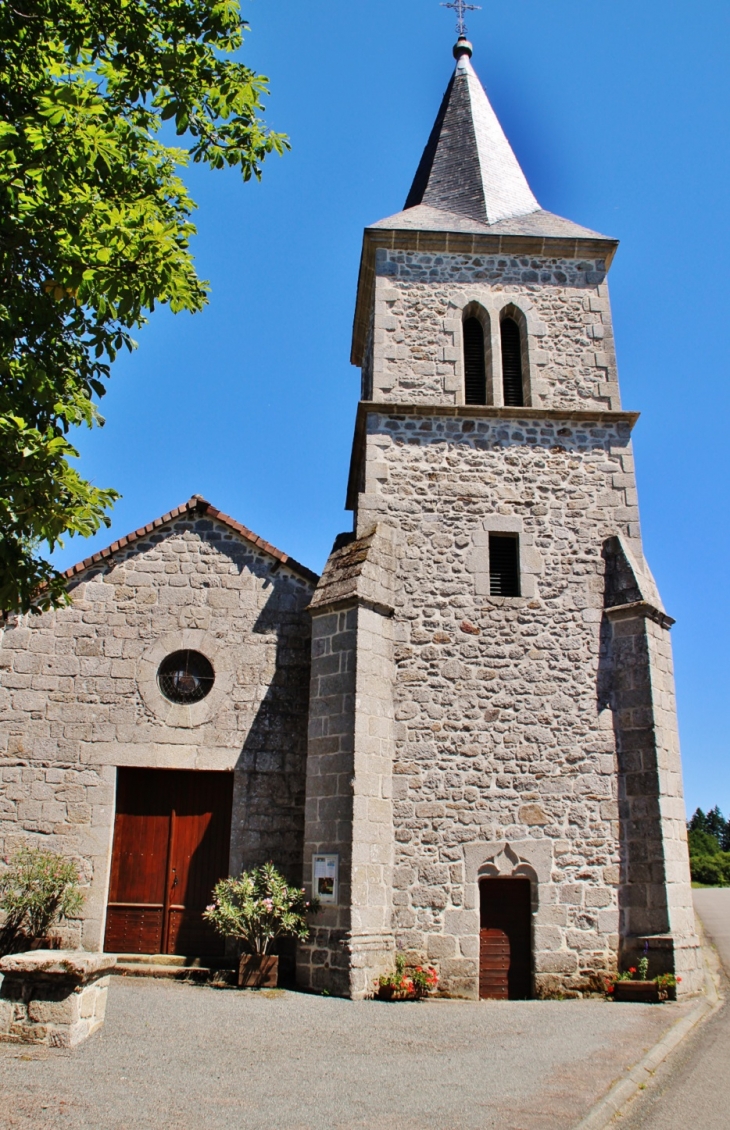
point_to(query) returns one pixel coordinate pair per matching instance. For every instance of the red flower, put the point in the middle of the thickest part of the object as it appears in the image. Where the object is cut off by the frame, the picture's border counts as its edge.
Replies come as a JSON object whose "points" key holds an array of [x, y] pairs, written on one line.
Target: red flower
{"points": [[678, 979], [632, 969]]}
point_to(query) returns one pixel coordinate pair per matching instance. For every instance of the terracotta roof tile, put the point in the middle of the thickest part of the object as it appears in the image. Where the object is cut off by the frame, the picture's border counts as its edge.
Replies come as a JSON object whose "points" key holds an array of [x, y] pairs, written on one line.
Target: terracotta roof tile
{"points": [[201, 507]]}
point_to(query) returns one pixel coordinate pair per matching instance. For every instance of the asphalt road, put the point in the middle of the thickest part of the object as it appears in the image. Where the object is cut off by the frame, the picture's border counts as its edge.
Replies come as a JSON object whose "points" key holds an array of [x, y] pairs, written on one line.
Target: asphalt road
{"points": [[692, 1089]]}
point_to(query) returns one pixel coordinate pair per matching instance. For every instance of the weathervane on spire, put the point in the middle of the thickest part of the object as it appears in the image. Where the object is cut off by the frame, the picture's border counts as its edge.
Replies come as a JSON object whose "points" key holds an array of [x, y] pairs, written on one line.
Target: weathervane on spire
{"points": [[460, 7]]}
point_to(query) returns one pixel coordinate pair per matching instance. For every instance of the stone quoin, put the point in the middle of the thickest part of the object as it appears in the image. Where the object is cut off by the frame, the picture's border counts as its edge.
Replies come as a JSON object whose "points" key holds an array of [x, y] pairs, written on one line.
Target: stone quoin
{"points": [[474, 700]]}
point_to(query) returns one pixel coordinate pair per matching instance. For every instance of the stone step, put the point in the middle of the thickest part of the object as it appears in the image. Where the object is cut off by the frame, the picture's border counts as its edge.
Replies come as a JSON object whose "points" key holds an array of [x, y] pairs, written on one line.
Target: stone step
{"points": [[171, 966]]}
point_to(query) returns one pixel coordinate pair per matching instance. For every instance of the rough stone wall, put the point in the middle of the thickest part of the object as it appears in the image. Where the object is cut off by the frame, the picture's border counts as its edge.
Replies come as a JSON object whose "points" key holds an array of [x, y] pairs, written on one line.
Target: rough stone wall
{"points": [[504, 758], [78, 697], [419, 299]]}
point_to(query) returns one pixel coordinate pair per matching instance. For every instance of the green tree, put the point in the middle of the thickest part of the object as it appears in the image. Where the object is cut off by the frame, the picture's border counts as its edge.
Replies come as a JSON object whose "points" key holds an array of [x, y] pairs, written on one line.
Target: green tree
{"points": [[702, 843], [95, 224]]}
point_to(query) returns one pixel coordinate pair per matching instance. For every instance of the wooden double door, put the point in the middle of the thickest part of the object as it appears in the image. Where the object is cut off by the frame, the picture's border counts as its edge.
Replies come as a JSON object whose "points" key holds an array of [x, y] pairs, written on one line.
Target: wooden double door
{"points": [[505, 939], [171, 842]]}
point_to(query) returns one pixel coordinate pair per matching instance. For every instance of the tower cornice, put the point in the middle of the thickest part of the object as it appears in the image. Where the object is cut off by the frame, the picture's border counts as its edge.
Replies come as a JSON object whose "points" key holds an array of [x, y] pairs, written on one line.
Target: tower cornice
{"points": [[588, 417], [589, 245]]}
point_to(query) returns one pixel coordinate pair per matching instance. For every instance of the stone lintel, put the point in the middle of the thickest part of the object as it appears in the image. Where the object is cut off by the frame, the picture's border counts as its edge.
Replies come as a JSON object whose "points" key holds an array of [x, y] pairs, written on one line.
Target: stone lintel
{"points": [[588, 417], [640, 609], [460, 243]]}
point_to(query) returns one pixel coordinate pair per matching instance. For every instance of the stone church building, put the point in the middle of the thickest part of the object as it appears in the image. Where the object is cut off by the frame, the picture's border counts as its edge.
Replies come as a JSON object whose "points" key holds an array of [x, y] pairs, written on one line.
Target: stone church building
{"points": [[463, 734]]}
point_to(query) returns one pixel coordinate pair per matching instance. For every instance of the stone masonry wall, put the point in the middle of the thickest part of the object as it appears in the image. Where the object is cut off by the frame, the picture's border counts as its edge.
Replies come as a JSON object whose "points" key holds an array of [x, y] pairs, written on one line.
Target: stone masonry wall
{"points": [[655, 887], [323, 960], [417, 347], [505, 758], [78, 697]]}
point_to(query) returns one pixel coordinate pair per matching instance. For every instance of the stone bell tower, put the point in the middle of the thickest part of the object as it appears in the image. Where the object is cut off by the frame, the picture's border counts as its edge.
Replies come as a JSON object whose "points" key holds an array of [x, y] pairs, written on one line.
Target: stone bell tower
{"points": [[493, 746]]}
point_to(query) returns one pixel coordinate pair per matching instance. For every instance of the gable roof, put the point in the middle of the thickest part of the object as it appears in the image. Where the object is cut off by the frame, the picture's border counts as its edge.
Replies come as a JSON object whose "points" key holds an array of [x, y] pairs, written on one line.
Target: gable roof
{"points": [[198, 506], [468, 165]]}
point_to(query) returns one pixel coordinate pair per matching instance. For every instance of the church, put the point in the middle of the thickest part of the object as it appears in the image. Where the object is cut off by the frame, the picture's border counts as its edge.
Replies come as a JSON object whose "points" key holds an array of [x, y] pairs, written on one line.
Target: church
{"points": [[462, 737]]}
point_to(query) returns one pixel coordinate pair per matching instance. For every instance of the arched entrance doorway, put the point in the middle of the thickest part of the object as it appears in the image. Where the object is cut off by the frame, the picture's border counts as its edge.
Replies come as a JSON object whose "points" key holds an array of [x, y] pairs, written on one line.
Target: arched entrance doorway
{"points": [[505, 939]]}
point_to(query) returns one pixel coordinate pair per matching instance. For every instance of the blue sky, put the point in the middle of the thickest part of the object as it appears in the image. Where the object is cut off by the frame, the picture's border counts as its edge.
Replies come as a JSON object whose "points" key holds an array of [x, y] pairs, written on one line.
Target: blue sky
{"points": [[619, 115]]}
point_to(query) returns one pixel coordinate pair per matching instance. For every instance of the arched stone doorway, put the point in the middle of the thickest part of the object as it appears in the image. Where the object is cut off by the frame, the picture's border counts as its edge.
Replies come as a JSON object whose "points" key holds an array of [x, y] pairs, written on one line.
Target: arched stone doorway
{"points": [[505, 938]]}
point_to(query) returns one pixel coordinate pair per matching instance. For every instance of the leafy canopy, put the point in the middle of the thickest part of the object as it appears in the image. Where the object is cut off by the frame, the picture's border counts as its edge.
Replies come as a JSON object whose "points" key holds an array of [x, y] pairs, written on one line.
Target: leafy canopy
{"points": [[95, 225]]}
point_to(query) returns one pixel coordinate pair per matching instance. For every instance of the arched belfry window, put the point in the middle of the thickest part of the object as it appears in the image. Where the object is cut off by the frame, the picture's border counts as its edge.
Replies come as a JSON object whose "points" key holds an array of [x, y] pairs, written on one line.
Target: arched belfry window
{"points": [[512, 363], [475, 369]]}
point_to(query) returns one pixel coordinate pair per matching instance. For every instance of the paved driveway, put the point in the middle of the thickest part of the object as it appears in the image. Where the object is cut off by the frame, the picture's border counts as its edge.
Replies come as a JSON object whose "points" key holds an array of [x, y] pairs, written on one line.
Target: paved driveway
{"points": [[179, 1056]]}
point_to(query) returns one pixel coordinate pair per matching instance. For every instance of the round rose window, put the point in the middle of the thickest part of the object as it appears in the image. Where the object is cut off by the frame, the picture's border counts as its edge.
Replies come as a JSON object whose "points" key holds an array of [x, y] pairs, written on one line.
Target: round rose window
{"points": [[185, 677]]}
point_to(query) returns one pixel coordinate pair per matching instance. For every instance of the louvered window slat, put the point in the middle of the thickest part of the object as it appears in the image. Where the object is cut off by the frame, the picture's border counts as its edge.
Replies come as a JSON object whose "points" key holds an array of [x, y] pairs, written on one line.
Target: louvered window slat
{"points": [[504, 565], [475, 374], [512, 364]]}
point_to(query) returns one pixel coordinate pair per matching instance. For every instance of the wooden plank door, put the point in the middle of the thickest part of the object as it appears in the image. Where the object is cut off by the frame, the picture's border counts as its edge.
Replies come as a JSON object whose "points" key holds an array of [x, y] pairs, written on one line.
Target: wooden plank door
{"points": [[135, 920], [171, 842], [199, 841], [505, 959], [493, 965]]}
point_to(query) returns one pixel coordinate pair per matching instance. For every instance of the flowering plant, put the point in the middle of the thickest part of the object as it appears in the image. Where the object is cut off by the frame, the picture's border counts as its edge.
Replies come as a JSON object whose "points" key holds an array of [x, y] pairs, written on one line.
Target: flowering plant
{"points": [[402, 986], [37, 888], [664, 981], [257, 907]]}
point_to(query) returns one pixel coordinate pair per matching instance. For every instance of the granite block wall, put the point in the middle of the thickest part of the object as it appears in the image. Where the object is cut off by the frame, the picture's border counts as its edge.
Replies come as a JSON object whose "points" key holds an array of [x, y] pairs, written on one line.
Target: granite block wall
{"points": [[415, 352], [505, 751]]}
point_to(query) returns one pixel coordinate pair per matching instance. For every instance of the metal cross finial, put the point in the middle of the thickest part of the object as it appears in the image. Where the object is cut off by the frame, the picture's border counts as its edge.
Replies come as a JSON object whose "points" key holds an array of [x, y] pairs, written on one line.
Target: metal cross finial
{"points": [[460, 7]]}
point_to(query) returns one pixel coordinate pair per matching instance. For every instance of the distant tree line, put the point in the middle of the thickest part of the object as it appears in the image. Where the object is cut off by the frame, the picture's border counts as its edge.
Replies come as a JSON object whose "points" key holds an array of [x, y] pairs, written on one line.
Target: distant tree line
{"points": [[709, 848]]}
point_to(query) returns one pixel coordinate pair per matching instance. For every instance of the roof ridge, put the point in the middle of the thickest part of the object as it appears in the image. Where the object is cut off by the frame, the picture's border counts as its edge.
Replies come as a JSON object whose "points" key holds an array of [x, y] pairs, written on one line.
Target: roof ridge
{"points": [[195, 502]]}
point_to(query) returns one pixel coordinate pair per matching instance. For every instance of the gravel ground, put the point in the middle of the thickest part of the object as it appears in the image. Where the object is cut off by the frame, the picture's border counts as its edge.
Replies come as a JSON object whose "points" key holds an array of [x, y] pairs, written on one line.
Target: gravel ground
{"points": [[173, 1056]]}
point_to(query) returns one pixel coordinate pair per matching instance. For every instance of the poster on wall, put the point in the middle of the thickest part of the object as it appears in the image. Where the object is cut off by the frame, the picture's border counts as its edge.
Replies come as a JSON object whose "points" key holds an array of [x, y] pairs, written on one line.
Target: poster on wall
{"points": [[325, 875]]}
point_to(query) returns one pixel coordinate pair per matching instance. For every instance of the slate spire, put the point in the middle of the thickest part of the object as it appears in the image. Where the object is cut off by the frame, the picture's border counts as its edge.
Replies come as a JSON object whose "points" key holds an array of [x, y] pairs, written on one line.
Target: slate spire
{"points": [[468, 167]]}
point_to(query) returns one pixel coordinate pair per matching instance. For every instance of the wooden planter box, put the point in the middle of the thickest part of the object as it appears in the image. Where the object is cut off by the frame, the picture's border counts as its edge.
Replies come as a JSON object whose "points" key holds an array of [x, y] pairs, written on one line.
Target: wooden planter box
{"points": [[641, 992], [256, 972]]}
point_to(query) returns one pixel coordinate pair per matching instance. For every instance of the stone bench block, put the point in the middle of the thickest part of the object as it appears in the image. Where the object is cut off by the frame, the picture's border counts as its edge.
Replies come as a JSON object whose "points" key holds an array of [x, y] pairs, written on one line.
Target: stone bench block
{"points": [[54, 997]]}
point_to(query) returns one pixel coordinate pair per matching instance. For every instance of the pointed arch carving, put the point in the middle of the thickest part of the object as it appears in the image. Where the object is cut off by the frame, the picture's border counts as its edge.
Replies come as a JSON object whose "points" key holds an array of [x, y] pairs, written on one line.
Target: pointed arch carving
{"points": [[508, 864], [508, 859]]}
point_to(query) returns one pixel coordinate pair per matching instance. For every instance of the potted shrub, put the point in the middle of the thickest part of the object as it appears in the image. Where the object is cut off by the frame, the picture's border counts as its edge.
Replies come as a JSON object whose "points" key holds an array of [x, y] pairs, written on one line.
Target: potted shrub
{"points": [[255, 909], [38, 888], [402, 986]]}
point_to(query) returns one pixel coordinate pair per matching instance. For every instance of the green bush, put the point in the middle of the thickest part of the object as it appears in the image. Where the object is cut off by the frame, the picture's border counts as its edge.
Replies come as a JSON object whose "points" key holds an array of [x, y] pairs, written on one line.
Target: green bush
{"points": [[37, 889], [258, 907], [711, 869]]}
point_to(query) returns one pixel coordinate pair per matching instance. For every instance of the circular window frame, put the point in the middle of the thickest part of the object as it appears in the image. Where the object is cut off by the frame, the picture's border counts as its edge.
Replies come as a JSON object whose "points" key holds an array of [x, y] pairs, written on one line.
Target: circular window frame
{"points": [[184, 715], [189, 664]]}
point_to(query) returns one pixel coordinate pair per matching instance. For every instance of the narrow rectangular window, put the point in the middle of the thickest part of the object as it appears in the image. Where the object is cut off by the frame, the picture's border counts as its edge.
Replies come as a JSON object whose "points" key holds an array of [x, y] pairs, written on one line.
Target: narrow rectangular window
{"points": [[475, 374], [504, 565], [512, 363]]}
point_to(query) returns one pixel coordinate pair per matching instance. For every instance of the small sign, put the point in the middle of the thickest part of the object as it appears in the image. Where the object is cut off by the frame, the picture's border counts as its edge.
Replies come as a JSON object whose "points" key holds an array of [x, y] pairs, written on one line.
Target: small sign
{"points": [[325, 875]]}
